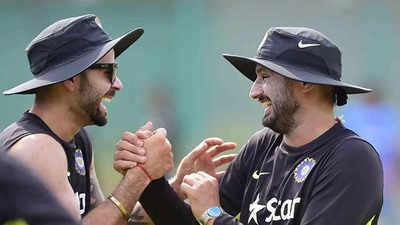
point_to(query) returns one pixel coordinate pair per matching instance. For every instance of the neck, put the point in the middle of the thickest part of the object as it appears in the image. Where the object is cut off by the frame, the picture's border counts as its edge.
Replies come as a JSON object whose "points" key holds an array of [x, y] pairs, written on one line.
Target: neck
{"points": [[310, 125], [59, 118]]}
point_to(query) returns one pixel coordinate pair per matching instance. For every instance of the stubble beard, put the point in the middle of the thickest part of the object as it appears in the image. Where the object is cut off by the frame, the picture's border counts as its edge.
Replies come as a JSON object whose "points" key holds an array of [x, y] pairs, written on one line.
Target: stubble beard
{"points": [[281, 119], [91, 103]]}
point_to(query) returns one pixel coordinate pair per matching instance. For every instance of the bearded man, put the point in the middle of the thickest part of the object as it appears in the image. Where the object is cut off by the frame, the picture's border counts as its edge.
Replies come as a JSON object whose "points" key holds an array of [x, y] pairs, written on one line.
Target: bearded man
{"points": [[305, 167], [74, 69]]}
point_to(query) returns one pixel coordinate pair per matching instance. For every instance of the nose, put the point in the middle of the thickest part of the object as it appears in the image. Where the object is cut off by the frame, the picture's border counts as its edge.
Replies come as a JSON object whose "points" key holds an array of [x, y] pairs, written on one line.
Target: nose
{"points": [[256, 90], [117, 85]]}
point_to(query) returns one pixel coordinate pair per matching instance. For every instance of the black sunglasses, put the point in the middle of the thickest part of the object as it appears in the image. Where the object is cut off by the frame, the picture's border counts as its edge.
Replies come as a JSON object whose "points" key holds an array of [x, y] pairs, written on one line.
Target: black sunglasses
{"points": [[110, 67]]}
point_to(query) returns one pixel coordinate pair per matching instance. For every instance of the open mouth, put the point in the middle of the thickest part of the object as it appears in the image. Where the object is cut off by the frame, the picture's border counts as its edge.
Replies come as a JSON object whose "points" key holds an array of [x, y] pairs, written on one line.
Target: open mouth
{"points": [[265, 100], [106, 99]]}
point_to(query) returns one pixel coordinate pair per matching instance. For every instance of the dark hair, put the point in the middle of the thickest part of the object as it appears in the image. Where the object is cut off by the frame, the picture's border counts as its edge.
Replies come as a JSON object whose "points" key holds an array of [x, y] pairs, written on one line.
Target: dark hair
{"points": [[335, 95], [340, 96]]}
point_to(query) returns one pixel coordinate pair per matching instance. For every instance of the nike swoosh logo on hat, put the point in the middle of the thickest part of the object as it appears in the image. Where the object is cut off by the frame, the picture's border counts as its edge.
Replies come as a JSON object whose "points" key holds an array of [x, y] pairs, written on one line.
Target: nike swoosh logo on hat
{"points": [[257, 175], [301, 45]]}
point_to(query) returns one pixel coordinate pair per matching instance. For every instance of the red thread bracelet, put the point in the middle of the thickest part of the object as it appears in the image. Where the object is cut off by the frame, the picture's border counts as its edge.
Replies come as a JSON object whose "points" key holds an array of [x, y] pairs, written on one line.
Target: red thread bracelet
{"points": [[145, 171]]}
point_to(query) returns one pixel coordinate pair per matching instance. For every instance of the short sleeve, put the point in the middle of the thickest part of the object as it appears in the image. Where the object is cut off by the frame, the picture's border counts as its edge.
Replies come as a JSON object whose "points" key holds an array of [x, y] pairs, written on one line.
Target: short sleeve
{"points": [[349, 191]]}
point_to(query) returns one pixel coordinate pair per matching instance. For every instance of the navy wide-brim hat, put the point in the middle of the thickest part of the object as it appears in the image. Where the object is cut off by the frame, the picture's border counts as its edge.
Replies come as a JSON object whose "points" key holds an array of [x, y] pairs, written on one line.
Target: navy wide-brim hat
{"points": [[67, 48], [298, 53]]}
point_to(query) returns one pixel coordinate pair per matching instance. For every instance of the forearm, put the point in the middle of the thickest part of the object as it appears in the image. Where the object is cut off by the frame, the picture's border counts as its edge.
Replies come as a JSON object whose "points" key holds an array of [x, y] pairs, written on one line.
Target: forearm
{"points": [[164, 206], [127, 193]]}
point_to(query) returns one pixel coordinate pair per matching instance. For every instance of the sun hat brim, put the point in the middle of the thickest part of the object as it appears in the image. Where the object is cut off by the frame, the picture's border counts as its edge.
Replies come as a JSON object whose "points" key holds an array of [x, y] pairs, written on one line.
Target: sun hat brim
{"points": [[77, 65], [247, 65]]}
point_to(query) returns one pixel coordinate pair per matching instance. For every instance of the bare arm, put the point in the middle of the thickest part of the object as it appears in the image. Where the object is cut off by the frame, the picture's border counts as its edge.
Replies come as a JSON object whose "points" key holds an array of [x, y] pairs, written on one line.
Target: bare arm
{"points": [[96, 194], [133, 183], [46, 158], [127, 192], [138, 217]]}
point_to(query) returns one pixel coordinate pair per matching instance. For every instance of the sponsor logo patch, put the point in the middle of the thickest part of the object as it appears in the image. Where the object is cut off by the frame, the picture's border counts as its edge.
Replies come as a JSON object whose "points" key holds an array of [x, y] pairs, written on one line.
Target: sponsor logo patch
{"points": [[273, 210]]}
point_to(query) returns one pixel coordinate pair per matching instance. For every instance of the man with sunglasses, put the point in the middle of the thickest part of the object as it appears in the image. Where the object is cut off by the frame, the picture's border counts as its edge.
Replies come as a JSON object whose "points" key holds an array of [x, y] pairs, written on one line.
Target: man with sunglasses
{"points": [[74, 69]]}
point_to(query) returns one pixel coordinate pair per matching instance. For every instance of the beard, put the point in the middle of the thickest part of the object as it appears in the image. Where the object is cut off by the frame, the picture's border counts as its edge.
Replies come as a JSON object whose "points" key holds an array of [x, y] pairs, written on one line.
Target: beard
{"points": [[281, 118], [91, 103]]}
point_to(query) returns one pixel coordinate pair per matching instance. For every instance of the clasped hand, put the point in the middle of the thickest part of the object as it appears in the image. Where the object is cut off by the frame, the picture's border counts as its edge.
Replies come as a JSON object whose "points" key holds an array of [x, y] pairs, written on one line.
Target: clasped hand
{"points": [[152, 149]]}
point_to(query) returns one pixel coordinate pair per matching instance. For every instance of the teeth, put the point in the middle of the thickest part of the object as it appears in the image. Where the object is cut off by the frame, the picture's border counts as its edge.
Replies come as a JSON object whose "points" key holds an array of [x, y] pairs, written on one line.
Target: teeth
{"points": [[267, 103], [106, 99]]}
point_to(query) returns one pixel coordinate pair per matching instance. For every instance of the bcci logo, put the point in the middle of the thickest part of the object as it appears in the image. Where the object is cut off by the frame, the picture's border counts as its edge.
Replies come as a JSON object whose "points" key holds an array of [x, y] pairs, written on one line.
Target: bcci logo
{"points": [[303, 169], [79, 163]]}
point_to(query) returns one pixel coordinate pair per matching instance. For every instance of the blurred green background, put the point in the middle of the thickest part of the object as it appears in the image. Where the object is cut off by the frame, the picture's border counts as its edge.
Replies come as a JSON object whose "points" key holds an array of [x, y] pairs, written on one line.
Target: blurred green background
{"points": [[176, 77]]}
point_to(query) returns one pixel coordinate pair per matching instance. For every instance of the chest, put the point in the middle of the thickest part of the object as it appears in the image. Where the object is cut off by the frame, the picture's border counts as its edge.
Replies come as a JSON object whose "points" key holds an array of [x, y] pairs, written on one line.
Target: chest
{"points": [[78, 176], [279, 188]]}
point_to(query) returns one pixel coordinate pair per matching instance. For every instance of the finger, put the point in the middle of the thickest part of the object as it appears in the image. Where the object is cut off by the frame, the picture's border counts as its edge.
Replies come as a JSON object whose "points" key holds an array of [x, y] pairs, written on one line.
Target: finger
{"points": [[193, 179], [148, 126], [199, 176], [200, 149], [124, 145], [203, 175], [132, 138], [143, 134], [219, 175], [186, 189], [129, 156], [188, 179], [214, 141], [122, 165], [223, 159], [222, 148]]}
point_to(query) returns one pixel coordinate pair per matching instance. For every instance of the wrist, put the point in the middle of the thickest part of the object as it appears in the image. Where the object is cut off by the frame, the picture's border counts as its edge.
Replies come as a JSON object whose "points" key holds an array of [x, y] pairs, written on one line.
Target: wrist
{"points": [[120, 206], [136, 175], [144, 170]]}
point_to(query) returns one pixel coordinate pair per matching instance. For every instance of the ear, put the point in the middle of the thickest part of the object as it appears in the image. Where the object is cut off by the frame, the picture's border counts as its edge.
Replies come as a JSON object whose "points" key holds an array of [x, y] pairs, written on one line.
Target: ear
{"points": [[306, 87], [72, 84]]}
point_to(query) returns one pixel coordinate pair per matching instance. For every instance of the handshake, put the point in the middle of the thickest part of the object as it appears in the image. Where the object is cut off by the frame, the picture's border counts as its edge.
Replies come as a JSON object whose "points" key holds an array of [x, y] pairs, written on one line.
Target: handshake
{"points": [[196, 174]]}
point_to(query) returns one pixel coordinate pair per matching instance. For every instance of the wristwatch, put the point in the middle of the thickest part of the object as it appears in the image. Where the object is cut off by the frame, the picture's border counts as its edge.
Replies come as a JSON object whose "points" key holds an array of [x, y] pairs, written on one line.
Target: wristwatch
{"points": [[209, 214]]}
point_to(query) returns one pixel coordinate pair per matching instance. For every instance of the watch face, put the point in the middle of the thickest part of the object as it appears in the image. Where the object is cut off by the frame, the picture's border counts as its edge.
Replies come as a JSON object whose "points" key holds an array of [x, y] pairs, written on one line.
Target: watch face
{"points": [[214, 211]]}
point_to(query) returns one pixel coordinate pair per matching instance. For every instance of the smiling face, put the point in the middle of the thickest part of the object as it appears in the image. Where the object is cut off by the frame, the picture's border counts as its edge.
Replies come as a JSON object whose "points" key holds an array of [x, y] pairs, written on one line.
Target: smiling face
{"points": [[277, 94], [95, 87]]}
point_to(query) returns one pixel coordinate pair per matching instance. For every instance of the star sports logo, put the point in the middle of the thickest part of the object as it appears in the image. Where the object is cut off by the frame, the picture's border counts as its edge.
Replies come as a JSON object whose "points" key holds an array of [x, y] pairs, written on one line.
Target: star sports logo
{"points": [[276, 209]]}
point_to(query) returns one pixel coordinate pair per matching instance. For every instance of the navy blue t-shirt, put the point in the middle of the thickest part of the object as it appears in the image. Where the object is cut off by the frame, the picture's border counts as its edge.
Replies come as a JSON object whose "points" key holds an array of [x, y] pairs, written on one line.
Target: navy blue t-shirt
{"points": [[335, 179]]}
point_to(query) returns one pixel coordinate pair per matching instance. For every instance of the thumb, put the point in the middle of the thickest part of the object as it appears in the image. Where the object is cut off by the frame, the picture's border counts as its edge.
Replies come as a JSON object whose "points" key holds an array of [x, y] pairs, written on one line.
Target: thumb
{"points": [[147, 126], [160, 133]]}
